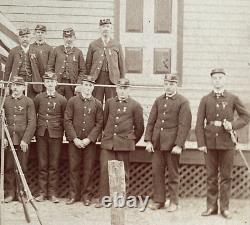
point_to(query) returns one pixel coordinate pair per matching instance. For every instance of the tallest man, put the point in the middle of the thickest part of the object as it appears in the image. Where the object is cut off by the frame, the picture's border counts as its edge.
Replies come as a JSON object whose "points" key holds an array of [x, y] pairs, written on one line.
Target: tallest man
{"points": [[105, 61]]}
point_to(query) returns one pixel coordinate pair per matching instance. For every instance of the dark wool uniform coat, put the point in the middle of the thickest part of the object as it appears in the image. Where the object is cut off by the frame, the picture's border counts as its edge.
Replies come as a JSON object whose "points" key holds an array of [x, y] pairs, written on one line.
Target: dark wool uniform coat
{"points": [[45, 51], [21, 118], [50, 114], [14, 62], [169, 122], [75, 60], [123, 124], [83, 118], [114, 55], [212, 109]]}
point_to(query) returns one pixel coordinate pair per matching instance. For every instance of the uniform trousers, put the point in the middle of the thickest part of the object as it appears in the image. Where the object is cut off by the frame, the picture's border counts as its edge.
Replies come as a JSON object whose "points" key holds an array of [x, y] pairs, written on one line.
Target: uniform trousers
{"points": [[48, 159], [219, 160], [84, 157], [10, 179], [105, 156], [65, 90], [101, 92], [160, 160]]}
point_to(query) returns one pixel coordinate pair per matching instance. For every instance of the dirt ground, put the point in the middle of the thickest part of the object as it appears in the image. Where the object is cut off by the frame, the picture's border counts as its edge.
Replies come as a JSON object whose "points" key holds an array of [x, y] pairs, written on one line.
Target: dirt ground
{"points": [[78, 214]]}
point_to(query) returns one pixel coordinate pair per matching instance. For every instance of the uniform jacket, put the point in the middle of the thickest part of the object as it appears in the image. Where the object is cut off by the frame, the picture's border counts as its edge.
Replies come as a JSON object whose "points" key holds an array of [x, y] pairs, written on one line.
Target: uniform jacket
{"points": [[123, 124], [83, 118], [169, 122], [75, 60], [14, 62], [45, 51], [20, 118], [114, 55], [50, 113], [212, 108]]}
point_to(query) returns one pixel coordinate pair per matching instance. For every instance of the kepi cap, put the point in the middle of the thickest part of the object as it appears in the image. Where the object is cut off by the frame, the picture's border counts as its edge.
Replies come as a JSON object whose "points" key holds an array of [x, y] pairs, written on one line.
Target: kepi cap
{"points": [[104, 21], [217, 70], [41, 27], [123, 82], [24, 31], [87, 78], [171, 77], [50, 76], [18, 80]]}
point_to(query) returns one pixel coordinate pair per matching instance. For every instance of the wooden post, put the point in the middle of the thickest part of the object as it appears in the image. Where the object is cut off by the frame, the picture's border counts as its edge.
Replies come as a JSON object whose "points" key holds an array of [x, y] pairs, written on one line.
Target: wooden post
{"points": [[117, 188]]}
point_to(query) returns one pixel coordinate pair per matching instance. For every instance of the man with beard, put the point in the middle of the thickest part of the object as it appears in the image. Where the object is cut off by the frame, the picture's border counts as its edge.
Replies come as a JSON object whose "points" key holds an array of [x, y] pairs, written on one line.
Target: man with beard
{"points": [[105, 61], [41, 45], [68, 63], [21, 121], [83, 123], [25, 61], [50, 107], [215, 121], [168, 126]]}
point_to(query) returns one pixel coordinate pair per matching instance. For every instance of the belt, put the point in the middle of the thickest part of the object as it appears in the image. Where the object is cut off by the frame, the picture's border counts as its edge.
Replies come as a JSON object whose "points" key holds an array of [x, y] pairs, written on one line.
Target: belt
{"points": [[216, 123]]}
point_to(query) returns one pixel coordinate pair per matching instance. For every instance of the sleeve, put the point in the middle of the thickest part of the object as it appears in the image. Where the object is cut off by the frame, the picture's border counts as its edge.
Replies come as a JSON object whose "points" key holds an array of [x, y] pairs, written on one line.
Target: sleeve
{"points": [[89, 59], [199, 127], [184, 125], [138, 122], [40, 65], [68, 121], [63, 104], [244, 115], [52, 61], [105, 114], [151, 122], [31, 125], [82, 65], [121, 62], [97, 129], [8, 65]]}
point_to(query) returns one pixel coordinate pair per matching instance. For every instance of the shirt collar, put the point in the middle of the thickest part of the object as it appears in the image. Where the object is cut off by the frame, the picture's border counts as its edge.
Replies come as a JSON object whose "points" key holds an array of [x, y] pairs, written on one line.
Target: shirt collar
{"points": [[53, 95], [219, 93], [121, 100], [25, 49], [20, 97], [105, 43], [172, 96], [39, 42], [85, 99]]}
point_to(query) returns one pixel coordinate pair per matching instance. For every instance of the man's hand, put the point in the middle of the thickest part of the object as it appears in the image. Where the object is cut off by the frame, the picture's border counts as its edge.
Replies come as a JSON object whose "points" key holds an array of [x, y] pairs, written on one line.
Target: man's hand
{"points": [[227, 125], [203, 149], [149, 146], [176, 150], [78, 143], [24, 146], [5, 142], [85, 142]]}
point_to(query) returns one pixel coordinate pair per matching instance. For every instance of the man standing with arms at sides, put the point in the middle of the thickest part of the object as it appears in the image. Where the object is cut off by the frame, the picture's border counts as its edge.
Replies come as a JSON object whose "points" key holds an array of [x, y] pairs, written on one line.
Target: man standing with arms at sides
{"points": [[68, 63], [83, 123], [167, 129], [41, 45], [123, 128], [215, 121], [25, 61], [105, 61], [21, 121], [50, 107]]}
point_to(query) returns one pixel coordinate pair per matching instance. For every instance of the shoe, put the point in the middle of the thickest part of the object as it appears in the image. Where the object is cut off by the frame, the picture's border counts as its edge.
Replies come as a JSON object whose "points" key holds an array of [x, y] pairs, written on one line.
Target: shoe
{"points": [[8, 199], [40, 198], [226, 214], [54, 199], [209, 212], [86, 202], [71, 201], [172, 207], [155, 206]]}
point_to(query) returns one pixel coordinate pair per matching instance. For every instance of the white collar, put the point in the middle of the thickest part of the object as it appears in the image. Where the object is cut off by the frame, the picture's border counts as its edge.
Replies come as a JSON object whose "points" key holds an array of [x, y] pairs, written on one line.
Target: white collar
{"points": [[105, 42], [25, 49]]}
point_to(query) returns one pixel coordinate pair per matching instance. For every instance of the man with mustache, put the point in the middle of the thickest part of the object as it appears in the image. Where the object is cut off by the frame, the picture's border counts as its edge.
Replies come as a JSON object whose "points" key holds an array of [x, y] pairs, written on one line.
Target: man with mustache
{"points": [[25, 61], [68, 63], [21, 121], [105, 61]]}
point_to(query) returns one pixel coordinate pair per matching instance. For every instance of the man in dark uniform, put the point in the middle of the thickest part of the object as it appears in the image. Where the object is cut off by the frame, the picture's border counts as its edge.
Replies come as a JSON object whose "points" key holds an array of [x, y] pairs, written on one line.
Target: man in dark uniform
{"points": [[215, 120], [168, 126], [50, 107], [123, 128], [21, 121], [83, 123], [105, 61], [25, 61], [68, 63], [41, 45]]}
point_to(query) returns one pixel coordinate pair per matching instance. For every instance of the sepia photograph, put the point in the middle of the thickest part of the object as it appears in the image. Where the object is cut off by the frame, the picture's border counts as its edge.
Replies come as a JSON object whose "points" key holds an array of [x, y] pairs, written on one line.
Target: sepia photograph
{"points": [[125, 112]]}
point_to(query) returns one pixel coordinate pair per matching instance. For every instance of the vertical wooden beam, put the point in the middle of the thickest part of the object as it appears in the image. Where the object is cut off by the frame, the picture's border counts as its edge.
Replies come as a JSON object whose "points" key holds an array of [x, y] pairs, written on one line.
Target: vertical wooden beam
{"points": [[180, 17], [117, 188]]}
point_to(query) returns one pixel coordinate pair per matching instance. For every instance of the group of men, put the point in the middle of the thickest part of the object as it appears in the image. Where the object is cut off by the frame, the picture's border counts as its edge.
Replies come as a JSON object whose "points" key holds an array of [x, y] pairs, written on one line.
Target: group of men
{"points": [[50, 110]]}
